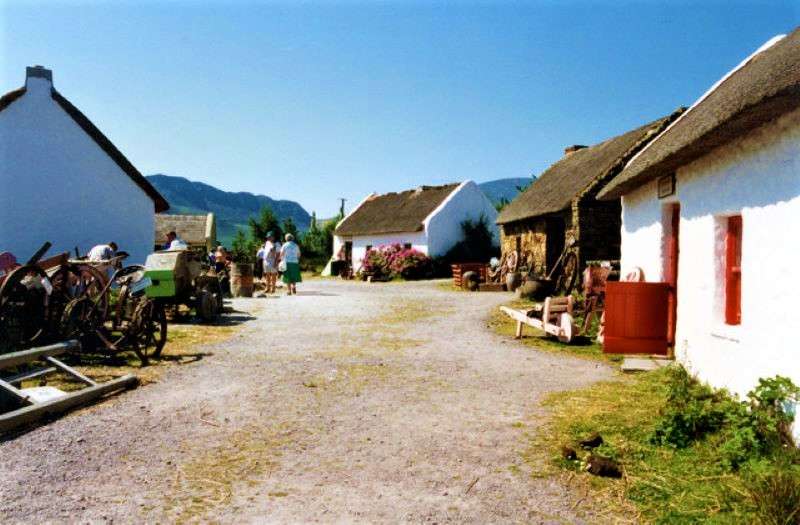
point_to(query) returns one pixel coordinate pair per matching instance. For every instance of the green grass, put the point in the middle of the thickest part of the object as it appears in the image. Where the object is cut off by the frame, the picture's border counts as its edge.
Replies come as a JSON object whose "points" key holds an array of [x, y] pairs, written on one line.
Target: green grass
{"points": [[583, 346], [660, 484]]}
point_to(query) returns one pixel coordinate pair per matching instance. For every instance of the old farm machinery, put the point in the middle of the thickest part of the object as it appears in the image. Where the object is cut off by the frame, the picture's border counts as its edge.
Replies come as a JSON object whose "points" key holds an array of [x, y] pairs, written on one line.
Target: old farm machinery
{"points": [[53, 299]]}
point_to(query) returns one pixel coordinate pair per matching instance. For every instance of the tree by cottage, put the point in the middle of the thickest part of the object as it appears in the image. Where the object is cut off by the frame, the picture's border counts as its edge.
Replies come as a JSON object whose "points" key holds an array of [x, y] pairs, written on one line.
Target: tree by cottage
{"points": [[712, 207], [427, 219], [63, 181]]}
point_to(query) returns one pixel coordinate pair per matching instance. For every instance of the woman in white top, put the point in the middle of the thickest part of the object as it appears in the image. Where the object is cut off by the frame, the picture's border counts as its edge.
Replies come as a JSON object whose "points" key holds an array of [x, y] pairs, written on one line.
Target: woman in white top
{"points": [[271, 254], [290, 257]]}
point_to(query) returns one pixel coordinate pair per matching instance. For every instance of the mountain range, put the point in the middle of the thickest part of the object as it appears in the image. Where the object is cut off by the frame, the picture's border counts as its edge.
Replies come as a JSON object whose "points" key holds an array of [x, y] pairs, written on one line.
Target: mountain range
{"points": [[232, 209]]}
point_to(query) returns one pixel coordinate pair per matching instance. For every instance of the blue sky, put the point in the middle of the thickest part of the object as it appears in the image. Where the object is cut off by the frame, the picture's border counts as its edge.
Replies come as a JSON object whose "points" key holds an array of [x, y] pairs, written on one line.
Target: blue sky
{"points": [[313, 101]]}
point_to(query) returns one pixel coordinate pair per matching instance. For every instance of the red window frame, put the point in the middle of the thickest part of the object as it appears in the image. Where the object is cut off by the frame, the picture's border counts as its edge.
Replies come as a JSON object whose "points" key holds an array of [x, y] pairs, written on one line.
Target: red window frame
{"points": [[733, 271]]}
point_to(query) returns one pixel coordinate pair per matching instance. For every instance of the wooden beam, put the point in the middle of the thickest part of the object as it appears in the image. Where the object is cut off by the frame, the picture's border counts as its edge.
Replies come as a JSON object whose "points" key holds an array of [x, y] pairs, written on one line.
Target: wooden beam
{"points": [[30, 414], [17, 379], [71, 371], [14, 391], [34, 354]]}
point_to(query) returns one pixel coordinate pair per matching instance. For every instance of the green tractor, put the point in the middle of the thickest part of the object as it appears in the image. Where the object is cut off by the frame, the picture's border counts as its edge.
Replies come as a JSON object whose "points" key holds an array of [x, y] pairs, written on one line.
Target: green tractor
{"points": [[183, 277]]}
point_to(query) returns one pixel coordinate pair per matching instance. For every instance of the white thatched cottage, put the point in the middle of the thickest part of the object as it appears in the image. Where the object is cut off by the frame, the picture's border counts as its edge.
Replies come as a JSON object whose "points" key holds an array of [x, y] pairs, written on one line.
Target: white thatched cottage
{"points": [[712, 207], [427, 219], [62, 180]]}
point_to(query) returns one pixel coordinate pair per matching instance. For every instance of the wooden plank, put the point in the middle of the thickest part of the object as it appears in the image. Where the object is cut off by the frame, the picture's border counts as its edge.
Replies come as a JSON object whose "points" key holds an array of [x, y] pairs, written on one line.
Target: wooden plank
{"points": [[14, 391], [30, 414], [33, 354], [17, 379], [71, 371]]}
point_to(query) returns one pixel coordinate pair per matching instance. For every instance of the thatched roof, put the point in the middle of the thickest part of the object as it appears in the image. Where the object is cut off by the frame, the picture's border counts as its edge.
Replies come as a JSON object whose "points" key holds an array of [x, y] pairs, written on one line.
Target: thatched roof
{"points": [[763, 87], [554, 190], [196, 230], [159, 202], [395, 212]]}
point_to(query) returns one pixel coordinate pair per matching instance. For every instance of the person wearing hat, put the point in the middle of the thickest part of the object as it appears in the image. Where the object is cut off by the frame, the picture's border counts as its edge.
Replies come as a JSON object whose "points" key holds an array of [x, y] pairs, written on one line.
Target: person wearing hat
{"points": [[290, 258], [271, 254]]}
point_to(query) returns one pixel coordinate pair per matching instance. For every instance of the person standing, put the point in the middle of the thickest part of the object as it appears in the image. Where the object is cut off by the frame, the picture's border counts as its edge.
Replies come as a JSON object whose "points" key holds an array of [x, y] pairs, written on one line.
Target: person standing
{"points": [[290, 257], [271, 254]]}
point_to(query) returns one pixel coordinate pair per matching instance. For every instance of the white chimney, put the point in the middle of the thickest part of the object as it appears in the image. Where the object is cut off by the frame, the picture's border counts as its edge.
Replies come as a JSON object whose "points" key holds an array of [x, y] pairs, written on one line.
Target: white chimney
{"points": [[38, 78]]}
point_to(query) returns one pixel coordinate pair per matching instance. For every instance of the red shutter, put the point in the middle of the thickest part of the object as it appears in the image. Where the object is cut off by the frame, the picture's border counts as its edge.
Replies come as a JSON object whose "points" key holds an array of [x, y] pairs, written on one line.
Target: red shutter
{"points": [[733, 271]]}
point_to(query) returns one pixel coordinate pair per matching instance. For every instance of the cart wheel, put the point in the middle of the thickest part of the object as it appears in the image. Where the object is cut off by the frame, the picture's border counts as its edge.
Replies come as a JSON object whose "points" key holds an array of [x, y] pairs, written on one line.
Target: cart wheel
{"points": [[23, 307], [149, 330], [569, 274], [80, 319], [77, 282]]}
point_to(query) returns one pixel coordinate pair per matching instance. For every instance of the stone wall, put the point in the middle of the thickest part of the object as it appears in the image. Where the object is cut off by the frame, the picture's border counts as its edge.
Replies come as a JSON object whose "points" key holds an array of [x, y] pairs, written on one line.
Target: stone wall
{"points": [[531, 238]]}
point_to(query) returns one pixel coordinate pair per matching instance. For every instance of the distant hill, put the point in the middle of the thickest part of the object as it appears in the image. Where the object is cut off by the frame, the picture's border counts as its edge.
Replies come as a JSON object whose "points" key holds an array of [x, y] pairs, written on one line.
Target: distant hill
{"points": [[232, 209], [507, 189]]}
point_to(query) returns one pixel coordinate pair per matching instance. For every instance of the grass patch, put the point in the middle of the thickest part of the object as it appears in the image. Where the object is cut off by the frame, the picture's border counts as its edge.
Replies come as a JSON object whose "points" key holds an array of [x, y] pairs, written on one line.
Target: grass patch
{"points": [[586, 347], [208, 481], [661, 484]]}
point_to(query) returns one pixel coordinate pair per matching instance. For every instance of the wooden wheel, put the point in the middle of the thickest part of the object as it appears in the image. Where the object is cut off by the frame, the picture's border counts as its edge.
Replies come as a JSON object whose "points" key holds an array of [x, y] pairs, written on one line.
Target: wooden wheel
{"points": [[23, 307], [148, 330], [82, 289]]}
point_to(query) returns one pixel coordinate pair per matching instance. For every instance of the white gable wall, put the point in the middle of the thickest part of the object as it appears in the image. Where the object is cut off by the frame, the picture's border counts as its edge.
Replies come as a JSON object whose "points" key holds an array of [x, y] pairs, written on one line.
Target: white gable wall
{"points": [[58, 185], [758, 177], [418, 241], [467, 202]]}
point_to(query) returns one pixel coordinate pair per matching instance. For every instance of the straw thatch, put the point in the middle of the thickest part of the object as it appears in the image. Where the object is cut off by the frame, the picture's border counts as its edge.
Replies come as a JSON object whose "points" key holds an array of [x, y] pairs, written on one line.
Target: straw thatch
{"points": [[395, 212], [570, 177], [765, 87]]}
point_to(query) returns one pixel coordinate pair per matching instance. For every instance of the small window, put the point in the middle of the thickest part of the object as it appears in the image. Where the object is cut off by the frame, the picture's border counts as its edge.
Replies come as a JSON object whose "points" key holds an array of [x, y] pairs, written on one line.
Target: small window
{"points": [[733, 271], [407, 246]]}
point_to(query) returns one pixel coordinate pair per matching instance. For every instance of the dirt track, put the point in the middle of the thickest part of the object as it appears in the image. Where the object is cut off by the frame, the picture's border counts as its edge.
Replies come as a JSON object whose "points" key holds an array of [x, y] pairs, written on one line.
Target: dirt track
{"points": [[347, 403]]}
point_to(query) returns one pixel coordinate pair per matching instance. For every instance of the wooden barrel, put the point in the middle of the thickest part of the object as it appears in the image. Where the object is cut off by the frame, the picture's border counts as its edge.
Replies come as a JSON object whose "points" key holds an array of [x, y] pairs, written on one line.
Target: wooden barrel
{"points": [[242, 280]]}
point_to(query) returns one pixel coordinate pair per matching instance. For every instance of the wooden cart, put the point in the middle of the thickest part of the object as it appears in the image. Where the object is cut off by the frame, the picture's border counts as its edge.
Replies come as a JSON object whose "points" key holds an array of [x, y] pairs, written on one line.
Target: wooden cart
{"points": [[553, 317]]}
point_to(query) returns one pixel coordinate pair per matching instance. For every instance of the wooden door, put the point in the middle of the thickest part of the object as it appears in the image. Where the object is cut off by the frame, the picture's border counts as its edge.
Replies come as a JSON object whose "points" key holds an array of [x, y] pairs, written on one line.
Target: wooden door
{"points": [[636, 318], [671, 273]]}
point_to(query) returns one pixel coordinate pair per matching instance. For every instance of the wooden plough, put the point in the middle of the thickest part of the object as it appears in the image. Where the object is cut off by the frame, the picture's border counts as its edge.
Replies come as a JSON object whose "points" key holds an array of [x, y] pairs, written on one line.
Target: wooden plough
{"points": [[22, 406], [554, 317]]}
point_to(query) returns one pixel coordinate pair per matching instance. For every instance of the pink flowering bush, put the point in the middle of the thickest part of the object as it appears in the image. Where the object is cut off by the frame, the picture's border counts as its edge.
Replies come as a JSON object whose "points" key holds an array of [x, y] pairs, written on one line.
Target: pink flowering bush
{"points": [[392, 260]]}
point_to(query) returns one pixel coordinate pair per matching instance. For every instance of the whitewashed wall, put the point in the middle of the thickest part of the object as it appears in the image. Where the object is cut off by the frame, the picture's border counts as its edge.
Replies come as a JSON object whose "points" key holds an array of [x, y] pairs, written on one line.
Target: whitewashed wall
{"points": [[418, 240], [467, 202], [758, 177], [57, 184]]}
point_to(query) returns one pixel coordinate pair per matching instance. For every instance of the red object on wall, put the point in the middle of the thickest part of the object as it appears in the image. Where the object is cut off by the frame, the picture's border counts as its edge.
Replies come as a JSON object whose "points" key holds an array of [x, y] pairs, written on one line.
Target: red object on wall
{"points": [[637, 318], [733, 271], [673, 252]]}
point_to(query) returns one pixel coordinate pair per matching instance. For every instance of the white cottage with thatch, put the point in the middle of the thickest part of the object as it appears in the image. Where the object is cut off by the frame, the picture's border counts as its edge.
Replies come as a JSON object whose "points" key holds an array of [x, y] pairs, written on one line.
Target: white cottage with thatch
{"points": [[427, 219], [712, 206], [63, 181]]}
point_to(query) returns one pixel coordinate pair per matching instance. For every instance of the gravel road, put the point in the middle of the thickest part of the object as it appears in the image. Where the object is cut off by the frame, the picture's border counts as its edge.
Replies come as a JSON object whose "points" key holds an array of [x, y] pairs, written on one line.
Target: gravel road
{"points": [[349, 402]]}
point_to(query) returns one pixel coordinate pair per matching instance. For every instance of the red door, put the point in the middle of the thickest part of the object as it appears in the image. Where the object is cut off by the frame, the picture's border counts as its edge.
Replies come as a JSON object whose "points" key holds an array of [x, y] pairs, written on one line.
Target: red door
{"points": [[671, 273], [636, 318]]}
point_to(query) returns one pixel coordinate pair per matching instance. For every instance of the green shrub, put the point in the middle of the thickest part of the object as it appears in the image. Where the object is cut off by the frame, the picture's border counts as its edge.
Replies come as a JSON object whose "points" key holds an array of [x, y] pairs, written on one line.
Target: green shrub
{"points": [[477, 244], [744, 431], [692, 411]]}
